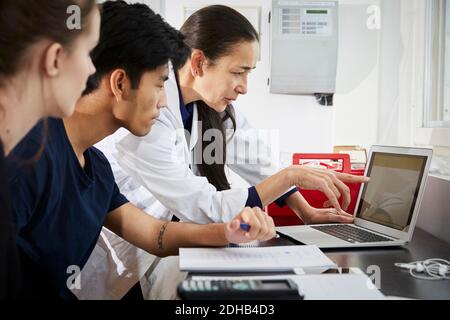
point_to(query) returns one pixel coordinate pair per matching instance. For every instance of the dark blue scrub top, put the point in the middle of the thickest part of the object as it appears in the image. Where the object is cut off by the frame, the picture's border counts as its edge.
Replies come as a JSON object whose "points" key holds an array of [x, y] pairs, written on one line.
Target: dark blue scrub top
{"points": [[59, 207]]}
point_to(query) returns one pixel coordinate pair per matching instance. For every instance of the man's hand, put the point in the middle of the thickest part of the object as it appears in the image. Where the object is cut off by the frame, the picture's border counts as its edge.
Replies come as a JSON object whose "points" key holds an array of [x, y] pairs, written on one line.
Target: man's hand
{"points": [[261, 226]]}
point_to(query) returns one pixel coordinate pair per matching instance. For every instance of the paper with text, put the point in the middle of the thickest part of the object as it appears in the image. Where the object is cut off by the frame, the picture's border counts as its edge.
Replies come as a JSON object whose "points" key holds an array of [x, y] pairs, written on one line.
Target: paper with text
{"points": [[259, 259]]}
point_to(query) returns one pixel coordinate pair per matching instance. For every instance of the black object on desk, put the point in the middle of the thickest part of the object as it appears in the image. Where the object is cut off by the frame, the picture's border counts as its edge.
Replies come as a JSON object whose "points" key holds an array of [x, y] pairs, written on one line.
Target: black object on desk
{"points": [[393, 281], [277, 289], [378, 263]]}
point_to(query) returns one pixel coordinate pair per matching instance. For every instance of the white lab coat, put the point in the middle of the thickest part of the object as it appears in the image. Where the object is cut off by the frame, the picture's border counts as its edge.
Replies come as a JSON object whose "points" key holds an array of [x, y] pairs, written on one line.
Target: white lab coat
{"points": [[157, 173]]}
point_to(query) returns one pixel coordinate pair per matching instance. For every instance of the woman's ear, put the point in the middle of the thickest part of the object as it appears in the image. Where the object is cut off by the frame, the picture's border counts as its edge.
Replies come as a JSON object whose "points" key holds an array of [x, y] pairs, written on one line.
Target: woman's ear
{"points": [[197, 60], [52, 60], [117, 83]]}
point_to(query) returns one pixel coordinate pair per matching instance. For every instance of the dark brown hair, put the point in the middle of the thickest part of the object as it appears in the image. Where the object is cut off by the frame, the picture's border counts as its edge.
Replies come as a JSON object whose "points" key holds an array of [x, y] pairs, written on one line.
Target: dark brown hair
{"points": [[215, 30]]}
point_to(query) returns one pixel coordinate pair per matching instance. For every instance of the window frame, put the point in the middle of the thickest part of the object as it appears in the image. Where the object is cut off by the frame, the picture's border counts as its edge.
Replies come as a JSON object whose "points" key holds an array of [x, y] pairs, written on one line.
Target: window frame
{"points": [[437, 136], [434, 82]]}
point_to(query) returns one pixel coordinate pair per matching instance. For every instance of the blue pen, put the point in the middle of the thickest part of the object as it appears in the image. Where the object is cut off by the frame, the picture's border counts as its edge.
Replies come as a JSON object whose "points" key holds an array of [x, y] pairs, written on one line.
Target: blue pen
{"points": [[245, 226]]}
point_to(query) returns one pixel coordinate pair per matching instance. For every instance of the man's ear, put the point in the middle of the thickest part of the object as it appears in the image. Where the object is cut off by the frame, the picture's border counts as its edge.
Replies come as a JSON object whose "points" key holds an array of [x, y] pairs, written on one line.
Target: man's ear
{"points": [[118, 83], [52, 60], [197, 60]]}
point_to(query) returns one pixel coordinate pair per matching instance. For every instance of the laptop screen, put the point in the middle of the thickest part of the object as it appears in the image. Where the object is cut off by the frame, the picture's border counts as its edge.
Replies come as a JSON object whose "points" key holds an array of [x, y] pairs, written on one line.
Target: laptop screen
{"points": [[390, 196]]}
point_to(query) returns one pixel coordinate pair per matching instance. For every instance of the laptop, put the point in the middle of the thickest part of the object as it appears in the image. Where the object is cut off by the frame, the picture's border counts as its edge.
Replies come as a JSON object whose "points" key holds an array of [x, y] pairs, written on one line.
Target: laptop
{"points": [[387, 207]]}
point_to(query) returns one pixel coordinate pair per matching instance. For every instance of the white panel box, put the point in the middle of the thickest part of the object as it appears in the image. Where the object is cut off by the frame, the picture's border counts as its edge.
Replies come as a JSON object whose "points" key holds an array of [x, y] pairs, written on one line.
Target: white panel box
{"points": [[304, 46]]}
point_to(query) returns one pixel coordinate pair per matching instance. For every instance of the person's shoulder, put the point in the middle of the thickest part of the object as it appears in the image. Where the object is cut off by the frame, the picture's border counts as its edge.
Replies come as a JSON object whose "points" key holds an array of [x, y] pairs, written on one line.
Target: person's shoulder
{"points": [[35, 152], [100, 162], [101, 165], [167, 120], [98, 156], [30, 144]]}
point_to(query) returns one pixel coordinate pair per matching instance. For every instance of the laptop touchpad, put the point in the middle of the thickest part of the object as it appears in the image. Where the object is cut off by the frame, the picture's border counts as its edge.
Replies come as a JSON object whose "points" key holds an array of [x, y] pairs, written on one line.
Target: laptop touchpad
{"points": [[308, 235]]}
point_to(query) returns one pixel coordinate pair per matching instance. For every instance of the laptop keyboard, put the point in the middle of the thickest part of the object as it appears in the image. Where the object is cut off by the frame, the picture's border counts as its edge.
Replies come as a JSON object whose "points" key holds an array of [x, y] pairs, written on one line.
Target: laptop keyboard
{"points": [[350, 234]]}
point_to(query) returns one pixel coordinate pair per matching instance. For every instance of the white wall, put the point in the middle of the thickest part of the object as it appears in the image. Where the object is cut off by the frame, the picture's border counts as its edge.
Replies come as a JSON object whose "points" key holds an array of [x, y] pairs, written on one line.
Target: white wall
{"points": [[356, 117], [306, 126], [376, 100], [397, 71]]}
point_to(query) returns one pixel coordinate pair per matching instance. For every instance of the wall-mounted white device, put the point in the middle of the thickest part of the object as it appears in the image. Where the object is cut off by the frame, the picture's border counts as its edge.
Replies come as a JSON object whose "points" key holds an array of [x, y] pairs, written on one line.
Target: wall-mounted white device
{"points": [[304, 46]]}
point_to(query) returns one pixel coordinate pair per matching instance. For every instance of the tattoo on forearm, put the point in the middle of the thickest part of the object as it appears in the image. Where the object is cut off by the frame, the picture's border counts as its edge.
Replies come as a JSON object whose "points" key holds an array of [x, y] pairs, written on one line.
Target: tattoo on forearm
{"points": [[161, 234]]}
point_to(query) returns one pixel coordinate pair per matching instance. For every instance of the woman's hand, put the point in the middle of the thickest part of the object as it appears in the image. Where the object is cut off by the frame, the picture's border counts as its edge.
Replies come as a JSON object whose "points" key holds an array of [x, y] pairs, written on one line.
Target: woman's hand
{"points": [[327, 215], [261, 226], [331, 183]]}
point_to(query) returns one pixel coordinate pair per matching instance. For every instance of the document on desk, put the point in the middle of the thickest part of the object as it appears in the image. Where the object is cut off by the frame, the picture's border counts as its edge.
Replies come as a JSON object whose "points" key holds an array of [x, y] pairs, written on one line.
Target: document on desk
{"points": [[322, 287], [253, 259]]}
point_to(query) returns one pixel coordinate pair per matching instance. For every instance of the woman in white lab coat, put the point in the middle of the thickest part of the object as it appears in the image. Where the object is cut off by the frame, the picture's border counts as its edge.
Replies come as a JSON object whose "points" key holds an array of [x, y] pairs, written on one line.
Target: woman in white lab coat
{"points": [[174, 170], [175, 162]]}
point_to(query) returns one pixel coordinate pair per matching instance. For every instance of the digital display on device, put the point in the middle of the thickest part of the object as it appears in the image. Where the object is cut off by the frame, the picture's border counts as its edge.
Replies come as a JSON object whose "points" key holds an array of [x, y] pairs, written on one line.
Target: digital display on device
{"points": [[390, 196], [316, 11]]}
